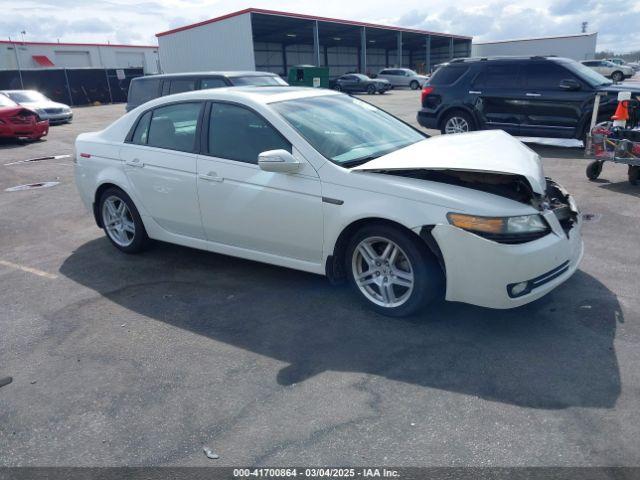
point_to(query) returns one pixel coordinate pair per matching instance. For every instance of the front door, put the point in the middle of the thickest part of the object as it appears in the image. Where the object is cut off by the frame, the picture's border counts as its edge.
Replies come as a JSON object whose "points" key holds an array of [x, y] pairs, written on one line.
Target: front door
{"points": [[160, 163], [245, 207], [550, 111]]}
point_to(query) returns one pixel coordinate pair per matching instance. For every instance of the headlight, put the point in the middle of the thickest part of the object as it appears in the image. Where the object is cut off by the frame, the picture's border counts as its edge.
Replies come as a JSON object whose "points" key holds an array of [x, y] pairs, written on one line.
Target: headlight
{"points": [[519, 229]]}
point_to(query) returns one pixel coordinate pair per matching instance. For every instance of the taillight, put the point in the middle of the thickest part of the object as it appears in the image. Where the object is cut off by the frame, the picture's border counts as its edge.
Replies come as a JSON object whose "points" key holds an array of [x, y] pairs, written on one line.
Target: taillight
{"points": [[85, 155], [425, 92]]}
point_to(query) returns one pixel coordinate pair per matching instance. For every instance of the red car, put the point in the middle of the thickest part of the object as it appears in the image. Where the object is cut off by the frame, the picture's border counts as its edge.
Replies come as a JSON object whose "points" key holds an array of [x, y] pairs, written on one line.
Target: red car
{"points": [[19, 122]]}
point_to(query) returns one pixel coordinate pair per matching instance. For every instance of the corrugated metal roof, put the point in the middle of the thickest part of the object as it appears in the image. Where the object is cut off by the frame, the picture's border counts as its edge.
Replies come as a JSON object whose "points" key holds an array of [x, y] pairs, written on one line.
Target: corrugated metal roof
{"points": [[305, 17], [537, 38]]}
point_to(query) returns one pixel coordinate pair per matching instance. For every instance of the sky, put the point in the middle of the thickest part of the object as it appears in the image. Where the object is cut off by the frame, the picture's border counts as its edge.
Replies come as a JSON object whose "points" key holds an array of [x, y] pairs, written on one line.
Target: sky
{"points": [[124, 21]]}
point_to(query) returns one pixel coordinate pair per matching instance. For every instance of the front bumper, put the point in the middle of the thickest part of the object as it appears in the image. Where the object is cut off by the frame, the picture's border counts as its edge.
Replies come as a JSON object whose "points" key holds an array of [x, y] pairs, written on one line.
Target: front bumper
{"points": [[479, 271], [57, 117], [30, 131]]}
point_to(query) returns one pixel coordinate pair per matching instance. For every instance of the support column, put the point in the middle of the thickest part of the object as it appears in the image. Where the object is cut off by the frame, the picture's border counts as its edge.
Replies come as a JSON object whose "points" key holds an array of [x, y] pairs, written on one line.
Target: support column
{"points": [[386, 58], [316, 43], [451, 48], [363, 50], [399, 50], [427, 61], [284, 60]]}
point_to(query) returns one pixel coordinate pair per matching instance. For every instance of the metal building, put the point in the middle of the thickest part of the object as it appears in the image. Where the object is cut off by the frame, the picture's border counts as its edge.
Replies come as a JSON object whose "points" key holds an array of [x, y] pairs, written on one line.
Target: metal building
{"points": [[257, 39], [15, 55], [581, 46]]}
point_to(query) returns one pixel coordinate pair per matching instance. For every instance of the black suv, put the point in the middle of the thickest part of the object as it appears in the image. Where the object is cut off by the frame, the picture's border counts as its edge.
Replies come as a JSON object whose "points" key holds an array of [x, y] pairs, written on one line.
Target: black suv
{"points": [[524, 96]]}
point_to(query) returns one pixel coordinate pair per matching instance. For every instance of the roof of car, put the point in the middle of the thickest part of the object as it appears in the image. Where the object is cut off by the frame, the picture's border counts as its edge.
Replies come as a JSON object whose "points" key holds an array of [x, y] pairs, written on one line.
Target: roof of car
{"points": [[258, 94], [503, 58], [229, 74]]}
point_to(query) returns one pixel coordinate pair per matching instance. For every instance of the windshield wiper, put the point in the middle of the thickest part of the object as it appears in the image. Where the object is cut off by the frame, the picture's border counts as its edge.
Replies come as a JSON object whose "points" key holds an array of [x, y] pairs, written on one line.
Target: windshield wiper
{"points": [[358, 161]]}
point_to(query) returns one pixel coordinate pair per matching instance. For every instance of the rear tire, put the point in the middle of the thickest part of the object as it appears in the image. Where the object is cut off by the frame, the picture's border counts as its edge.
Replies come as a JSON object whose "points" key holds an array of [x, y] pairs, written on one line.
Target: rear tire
{"points": [[371, 89], [594, 169], [617, 76], [392, 271], [457, 121], [337, 88], [121, 221], [414, 85], [634, 174]]}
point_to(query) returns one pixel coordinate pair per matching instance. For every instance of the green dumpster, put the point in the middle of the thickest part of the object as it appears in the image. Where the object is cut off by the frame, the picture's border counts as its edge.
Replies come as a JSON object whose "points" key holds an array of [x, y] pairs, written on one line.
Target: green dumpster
{"points": [[309, 76]]}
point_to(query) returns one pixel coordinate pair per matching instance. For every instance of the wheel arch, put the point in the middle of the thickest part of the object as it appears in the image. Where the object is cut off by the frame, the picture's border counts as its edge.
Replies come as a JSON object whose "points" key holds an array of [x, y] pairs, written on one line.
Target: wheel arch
{"points": [[334, 265], [455, 108], [102, 187]]}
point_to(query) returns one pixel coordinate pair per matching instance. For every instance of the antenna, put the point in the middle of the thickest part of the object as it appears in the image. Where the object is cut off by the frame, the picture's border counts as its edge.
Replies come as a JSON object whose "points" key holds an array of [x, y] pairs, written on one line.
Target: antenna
{"points": [[584, 27]]}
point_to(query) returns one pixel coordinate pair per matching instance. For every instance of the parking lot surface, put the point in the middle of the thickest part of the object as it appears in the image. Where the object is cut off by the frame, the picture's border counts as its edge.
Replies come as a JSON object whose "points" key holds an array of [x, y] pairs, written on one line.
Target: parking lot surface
{"points": [[143, 360]]}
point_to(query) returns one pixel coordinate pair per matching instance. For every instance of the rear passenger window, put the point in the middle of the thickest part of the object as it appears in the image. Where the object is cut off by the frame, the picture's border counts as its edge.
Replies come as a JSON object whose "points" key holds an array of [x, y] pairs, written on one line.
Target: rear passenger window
{"points": [[448, 75], [545, 76], [212, 83], [142, 130], [143, 90], [174, 127], [179, 86], [239, 134], [499, 76]]}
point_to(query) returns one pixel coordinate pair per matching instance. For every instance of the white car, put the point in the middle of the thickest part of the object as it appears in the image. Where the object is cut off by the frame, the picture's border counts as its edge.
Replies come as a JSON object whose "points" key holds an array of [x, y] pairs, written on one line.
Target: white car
{"points": [[402, 77], [615, 72], [46, 108], [319, 181]]}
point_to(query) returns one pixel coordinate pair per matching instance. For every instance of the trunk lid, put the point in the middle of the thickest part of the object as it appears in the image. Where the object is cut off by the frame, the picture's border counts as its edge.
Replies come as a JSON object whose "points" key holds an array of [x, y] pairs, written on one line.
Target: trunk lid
{"points": [[490, 151]]}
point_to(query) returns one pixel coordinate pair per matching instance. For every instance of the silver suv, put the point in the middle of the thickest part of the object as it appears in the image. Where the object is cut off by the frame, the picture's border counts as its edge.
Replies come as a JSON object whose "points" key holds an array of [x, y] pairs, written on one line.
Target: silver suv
{"points": [[403, 77]]}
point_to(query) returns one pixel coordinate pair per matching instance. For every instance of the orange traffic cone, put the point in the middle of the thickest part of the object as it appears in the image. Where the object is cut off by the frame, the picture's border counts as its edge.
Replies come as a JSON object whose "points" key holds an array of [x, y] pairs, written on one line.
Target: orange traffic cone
{"points": [[622, 112]]}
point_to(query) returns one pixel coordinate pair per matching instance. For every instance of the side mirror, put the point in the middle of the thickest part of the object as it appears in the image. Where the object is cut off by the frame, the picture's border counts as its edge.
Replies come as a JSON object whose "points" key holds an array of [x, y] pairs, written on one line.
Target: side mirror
{"points": [[278, 161], [569, 84]]}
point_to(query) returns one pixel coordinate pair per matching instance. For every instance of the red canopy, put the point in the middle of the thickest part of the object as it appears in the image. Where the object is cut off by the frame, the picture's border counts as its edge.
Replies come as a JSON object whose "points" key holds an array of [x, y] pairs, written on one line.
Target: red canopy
{"points": [[43, 60]]}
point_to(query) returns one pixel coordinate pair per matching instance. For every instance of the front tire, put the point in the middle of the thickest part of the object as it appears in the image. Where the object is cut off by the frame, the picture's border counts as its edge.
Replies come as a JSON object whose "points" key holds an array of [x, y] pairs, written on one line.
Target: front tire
{"points": [[457, 122], [121, 221], [371, 89], [594, 169], [617, 76], [392, 271]]}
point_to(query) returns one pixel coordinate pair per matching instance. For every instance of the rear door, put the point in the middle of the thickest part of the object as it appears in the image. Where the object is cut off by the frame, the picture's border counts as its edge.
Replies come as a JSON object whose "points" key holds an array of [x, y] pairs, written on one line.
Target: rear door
{"points": [[160, 163], [499, 94], [349, 83]]}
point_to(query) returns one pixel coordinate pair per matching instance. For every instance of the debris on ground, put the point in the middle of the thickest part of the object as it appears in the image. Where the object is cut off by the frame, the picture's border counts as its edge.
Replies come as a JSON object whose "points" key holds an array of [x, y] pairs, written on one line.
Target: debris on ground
{"points": [[5, 381], [210, 453]]}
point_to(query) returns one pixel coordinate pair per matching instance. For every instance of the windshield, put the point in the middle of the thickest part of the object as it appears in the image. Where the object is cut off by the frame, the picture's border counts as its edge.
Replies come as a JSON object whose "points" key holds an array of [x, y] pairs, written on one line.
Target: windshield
{"points": [[587, 74], [258, 81], [26, 96], [346, 130], [6, 101]]}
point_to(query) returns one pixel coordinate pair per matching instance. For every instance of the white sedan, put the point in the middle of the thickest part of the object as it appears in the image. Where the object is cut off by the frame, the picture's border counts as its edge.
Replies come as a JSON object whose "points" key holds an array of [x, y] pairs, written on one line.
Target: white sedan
{"points": [[319, 181]]}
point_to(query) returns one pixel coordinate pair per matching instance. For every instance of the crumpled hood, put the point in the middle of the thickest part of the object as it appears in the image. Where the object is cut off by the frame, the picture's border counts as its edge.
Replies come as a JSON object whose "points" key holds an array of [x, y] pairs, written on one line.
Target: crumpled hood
{"points": [[491, 151]]}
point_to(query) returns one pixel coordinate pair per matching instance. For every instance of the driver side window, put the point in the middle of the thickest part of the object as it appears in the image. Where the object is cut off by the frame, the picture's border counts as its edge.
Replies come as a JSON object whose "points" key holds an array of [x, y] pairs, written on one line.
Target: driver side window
{"points": [[237, 133]]}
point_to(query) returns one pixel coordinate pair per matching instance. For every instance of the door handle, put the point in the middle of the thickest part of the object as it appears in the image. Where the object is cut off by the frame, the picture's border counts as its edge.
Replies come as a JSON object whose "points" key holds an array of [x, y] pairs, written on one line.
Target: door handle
{"points": [[474, 92], [534, 95], [134, 163], [210, 177]]}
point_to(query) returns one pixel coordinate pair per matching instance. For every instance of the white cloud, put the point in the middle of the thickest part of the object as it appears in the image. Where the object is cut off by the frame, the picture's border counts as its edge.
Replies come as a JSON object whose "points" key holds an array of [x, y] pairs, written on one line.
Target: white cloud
{"points": [[129, 21]]}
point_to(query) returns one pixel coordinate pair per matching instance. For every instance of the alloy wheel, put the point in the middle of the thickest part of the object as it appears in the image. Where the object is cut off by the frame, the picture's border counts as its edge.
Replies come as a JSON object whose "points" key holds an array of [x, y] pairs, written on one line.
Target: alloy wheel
{"points": [[456, 125], [382, 272], [117, 221]]}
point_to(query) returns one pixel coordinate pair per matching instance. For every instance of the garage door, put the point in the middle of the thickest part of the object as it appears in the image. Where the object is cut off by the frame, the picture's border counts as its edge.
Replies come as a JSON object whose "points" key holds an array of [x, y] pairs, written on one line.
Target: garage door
{"points": [[129, 59], [72, 59]]}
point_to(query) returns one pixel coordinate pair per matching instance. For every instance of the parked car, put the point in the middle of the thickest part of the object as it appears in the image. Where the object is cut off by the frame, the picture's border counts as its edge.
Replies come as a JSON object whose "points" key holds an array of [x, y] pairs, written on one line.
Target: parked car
{"points": [[635, 66], [323, 182], [358, 82], [614, 71], [18, 122], [402, 77], [46, 108], [143, 89], [526, 96]]}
